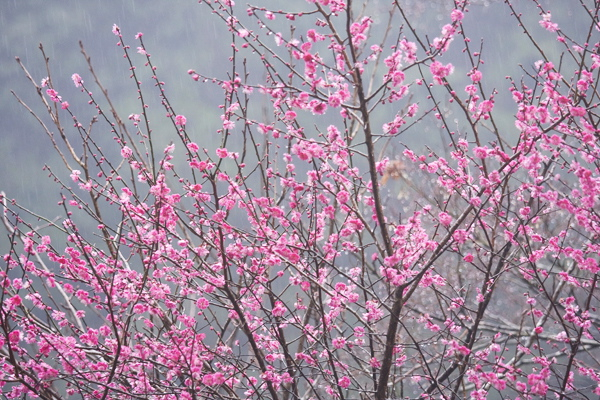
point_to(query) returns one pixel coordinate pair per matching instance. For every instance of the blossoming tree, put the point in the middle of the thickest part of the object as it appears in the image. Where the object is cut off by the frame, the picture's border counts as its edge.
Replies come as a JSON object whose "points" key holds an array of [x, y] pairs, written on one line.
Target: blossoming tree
{"points": [[280, 264]]}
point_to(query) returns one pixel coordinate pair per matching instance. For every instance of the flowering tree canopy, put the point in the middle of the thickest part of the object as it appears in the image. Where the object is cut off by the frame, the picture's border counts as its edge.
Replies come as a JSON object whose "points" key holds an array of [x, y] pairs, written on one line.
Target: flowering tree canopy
{"points": [[319, 245]]}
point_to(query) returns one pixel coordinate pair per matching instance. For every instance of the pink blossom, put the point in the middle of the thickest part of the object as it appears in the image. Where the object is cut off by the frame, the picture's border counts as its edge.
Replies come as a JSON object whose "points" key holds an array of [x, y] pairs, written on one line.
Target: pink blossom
{"points": [[440, 71], [318, 107], [135, 118], [456, 15], [193, 147], [334, 100], [75, 175], [228, 124], [290, 115], [116, 30], [213, 379], [222, 152], [279, 309], [126, 152], [202, 303], [343, 196], [374, 313], [180, 120], [77, 81], [455, 348], [374, 362], [293, 237], [476, 76], [314, 36], [577, 111], [358, 30], [279, 39], [471, 90], [344, 382], [53, 95], [486, 106], [169, 149], [547, 24], [13, 302], [480, 152], [14, 337], [460, 236], [338, 342], [445, 218]]}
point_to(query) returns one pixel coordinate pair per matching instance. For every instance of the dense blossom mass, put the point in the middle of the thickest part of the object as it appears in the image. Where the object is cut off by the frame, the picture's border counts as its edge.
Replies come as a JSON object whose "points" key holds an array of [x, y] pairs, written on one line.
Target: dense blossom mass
{"points": [[325, 248]]}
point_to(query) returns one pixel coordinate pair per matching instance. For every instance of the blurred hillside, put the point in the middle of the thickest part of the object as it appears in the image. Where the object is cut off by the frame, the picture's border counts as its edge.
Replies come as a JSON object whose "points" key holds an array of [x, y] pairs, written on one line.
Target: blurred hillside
{"points": [[181, 35]]}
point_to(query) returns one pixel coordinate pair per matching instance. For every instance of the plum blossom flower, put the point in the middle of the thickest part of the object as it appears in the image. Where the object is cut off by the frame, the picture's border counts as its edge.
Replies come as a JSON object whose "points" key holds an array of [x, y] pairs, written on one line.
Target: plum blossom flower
{"points": [[290, 115], [314, 36], [343, 196], [358, 30], [193, 147], [222, 152], [180, 120], [135, 118], [471, 90], [53, 95], [75, 175], [344, 382], [440, 71], [227, 123], [116, 30], [14, 337], [457, 15], [169, 149], [375, 363], [77, 80], [202, 303], [13, 302], [460, 236], [577, 111], [373, 313], [486, 106], [279, 309], [334, 100], [213, 379], [126, 152], [339, 342], [481, 152], [317, 107], [445, 218], [547, 24], [278, 39]]}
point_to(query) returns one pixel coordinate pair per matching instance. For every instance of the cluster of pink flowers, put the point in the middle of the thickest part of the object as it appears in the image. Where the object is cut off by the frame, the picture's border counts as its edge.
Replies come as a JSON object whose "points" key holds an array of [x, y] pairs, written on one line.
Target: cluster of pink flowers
{"points": [[308, 249]]}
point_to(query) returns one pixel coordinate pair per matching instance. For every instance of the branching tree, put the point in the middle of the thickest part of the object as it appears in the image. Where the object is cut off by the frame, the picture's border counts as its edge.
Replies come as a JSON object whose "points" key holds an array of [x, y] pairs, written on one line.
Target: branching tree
{"points": [[274, 259]]}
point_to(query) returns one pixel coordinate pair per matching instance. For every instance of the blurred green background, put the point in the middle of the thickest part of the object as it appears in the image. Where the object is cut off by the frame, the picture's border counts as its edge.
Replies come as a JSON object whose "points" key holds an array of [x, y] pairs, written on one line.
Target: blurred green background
{"points": [[182, 35]]}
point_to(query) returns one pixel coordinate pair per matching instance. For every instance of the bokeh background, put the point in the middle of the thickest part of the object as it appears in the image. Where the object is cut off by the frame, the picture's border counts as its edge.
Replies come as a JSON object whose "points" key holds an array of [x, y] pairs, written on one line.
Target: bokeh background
{"points": [[182, 35]]}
